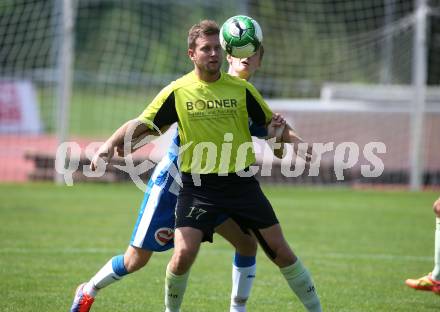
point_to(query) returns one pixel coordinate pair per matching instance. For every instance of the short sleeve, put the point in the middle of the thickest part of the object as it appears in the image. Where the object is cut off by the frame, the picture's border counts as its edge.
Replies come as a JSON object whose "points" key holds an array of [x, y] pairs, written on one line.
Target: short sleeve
{"points": [[161, 111]]}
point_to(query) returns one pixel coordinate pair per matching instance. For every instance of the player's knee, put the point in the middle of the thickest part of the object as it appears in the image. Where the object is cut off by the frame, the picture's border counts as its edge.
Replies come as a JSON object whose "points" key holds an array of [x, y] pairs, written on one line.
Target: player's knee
{"points": [[135, 263], [284, 256], [136, 258], [183, 259], [436, 208]]}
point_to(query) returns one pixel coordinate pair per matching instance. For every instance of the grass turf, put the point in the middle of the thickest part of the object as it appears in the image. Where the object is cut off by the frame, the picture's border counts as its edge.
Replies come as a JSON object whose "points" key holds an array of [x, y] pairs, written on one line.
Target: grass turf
{"points": [[359, 245]]}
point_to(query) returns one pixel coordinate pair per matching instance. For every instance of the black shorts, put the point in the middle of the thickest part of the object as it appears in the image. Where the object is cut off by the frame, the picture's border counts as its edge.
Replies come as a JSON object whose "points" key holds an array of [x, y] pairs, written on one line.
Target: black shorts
{"points": [[241, 198]]}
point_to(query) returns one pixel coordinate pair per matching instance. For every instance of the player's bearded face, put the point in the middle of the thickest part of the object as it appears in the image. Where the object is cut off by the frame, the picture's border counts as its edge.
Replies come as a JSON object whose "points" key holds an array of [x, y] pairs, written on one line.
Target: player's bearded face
{"points": [[207, 54]]}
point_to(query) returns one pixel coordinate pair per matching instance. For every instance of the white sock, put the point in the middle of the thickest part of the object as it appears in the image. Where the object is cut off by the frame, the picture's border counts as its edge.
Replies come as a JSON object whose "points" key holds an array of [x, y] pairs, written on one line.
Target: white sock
{"points": [[301, 283], [175, 286], [103, 278], [436, 270], [242, 280]]}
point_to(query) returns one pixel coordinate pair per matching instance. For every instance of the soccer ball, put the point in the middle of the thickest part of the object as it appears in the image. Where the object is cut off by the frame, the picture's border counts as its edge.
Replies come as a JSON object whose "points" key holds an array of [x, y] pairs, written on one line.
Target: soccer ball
{"points": [[241, 36]]}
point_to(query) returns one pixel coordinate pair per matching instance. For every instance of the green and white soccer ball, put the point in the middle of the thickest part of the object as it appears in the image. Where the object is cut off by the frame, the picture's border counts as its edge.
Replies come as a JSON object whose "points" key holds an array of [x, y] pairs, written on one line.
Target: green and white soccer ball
{"points": [[241, 36]]}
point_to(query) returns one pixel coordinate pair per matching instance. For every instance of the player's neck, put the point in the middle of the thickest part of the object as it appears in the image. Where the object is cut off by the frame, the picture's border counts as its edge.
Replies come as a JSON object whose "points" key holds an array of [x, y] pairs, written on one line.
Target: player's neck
{"points": [[207, 76], [242, 75]]}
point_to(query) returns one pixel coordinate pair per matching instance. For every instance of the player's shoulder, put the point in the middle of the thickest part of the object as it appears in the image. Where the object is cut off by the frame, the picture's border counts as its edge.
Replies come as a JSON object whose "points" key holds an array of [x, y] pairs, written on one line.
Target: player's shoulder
{"points": [[235, 80], [240, 82], [184, 81], [175, 85]]}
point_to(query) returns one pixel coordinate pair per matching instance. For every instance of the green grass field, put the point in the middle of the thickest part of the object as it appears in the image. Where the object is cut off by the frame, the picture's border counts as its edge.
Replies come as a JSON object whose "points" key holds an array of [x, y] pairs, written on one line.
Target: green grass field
{"points": [[359, 245], [93, 114]]}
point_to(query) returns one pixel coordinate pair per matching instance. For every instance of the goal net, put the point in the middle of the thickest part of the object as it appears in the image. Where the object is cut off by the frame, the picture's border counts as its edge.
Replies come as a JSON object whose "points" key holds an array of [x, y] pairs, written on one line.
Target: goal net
{"points": [[340, 71]]}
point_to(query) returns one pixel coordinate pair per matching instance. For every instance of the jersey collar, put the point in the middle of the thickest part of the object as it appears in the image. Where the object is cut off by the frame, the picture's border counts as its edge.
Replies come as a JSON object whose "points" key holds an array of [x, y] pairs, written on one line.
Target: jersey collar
{"points": [[222, 74]]}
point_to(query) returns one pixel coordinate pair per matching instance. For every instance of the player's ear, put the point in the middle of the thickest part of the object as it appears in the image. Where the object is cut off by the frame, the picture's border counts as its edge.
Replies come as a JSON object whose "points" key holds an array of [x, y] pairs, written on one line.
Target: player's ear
{"points": [[259, 63], [191, 54]]}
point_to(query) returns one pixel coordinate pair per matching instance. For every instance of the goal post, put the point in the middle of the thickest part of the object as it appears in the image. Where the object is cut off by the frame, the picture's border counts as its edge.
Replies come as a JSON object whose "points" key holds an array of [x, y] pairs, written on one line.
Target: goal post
{"points": [[65, 48], [419, 85]]}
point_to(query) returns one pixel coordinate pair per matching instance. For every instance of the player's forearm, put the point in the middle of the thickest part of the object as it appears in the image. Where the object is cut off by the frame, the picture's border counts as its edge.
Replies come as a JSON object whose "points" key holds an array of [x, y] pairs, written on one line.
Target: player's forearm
{"points": [[117, 138], [131, 130], [290, 136]]}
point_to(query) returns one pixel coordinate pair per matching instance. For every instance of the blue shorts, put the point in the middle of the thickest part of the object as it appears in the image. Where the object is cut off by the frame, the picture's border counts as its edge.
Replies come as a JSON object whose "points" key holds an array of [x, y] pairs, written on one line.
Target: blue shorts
{"points": [[154, 229]]}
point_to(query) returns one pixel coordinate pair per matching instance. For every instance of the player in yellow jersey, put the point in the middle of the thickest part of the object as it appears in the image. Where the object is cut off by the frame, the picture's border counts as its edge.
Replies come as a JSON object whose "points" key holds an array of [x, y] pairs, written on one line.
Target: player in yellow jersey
{"points": [[431, 282], [154, 233], [209, 183], [212, 111]]}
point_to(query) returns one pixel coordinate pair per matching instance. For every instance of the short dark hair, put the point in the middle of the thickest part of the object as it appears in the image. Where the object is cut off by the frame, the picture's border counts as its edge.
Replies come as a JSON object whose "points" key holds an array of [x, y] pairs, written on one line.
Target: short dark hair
{"points": [[261, 52], [203, 28]]}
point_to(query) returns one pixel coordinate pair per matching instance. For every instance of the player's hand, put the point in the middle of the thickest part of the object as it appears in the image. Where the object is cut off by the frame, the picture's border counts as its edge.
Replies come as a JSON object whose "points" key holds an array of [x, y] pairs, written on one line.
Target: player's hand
{"points": [[276, 127], [105, 152], [307, 154], [277, 120]]}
